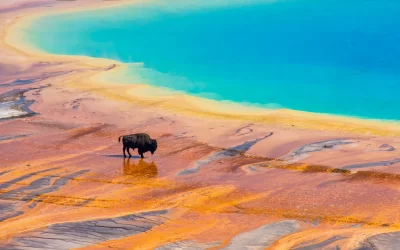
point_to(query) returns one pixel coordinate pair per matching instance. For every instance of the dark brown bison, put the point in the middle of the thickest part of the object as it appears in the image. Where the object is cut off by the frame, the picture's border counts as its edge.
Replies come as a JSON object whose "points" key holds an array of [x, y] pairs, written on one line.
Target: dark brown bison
{"points": [[141, 141]]}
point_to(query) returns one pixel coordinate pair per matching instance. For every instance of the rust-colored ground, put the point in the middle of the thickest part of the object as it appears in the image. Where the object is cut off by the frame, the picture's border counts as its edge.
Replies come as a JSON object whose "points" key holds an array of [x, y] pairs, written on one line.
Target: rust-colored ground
{"points": [[216, 181]]}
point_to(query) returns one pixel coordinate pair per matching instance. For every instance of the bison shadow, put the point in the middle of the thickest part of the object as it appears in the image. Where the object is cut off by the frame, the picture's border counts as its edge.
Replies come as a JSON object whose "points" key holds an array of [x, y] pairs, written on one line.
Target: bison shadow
{"points": [[140, 169], [121, 156]]}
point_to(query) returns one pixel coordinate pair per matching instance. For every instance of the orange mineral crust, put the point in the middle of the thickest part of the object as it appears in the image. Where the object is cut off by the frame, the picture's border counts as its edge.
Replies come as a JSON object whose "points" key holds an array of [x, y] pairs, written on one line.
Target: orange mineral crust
{"points": [[218, 180]]}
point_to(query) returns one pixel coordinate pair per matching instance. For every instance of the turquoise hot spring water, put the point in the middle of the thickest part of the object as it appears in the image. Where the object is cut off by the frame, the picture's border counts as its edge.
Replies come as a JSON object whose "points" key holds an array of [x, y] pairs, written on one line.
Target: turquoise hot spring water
{"points": [[336, 57]]}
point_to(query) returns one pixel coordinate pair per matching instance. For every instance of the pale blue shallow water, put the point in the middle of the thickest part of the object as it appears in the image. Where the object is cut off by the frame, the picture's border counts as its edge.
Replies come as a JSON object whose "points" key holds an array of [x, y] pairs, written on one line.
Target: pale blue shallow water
{"points": [[337, 57]]}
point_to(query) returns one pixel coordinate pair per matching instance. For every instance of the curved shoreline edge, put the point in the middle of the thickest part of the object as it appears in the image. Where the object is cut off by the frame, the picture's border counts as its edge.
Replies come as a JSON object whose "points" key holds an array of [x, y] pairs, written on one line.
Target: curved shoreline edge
{"points": [[177, 101]]}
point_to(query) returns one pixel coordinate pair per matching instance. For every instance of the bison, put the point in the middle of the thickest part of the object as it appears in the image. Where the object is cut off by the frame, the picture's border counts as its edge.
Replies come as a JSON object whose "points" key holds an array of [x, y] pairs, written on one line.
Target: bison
{"points": [[141, 141]]}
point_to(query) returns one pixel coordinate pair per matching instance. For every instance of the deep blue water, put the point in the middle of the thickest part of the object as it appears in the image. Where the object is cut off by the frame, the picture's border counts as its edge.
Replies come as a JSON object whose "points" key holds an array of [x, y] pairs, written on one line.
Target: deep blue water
{"points": [[337, 57]]}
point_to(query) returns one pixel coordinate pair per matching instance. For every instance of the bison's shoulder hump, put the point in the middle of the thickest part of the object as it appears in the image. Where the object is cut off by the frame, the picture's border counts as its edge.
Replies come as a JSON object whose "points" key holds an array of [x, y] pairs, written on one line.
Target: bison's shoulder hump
{"points": [[143, 136], [140, 138]]}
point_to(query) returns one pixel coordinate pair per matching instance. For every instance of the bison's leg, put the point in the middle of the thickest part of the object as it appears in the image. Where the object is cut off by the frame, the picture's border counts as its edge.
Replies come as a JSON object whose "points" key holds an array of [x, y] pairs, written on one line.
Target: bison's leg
{"points": [[129, 152], [123, 150], [141, 153], [133, 149]]}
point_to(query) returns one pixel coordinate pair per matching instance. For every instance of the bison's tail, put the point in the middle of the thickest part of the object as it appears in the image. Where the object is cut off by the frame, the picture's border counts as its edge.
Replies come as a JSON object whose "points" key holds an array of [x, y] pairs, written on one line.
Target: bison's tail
{"points": [[119, 139]]}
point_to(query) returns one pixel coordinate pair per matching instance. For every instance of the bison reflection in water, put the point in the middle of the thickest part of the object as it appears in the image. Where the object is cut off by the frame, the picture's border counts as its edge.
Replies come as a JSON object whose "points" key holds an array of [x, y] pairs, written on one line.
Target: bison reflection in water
{"points": [[140, 169]]}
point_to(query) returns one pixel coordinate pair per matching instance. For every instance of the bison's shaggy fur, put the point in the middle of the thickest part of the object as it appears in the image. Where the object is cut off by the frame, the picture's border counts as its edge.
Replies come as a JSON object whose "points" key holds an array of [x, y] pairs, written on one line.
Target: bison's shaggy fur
{"points": [[141, 141]]}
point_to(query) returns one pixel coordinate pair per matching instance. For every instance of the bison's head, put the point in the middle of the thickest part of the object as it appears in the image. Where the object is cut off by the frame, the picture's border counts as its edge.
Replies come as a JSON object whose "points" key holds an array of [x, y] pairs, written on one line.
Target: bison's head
{"points": [[153, 146]]}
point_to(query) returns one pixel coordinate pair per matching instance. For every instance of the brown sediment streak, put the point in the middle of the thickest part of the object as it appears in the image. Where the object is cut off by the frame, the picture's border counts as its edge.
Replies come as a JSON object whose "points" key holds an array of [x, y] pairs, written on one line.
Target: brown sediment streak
{"points": [[196, 145], [374, 176], [80, 132], [86, 131], [371, 176], [110, 67], [308, 168], [321, 218], [53, 124]]}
